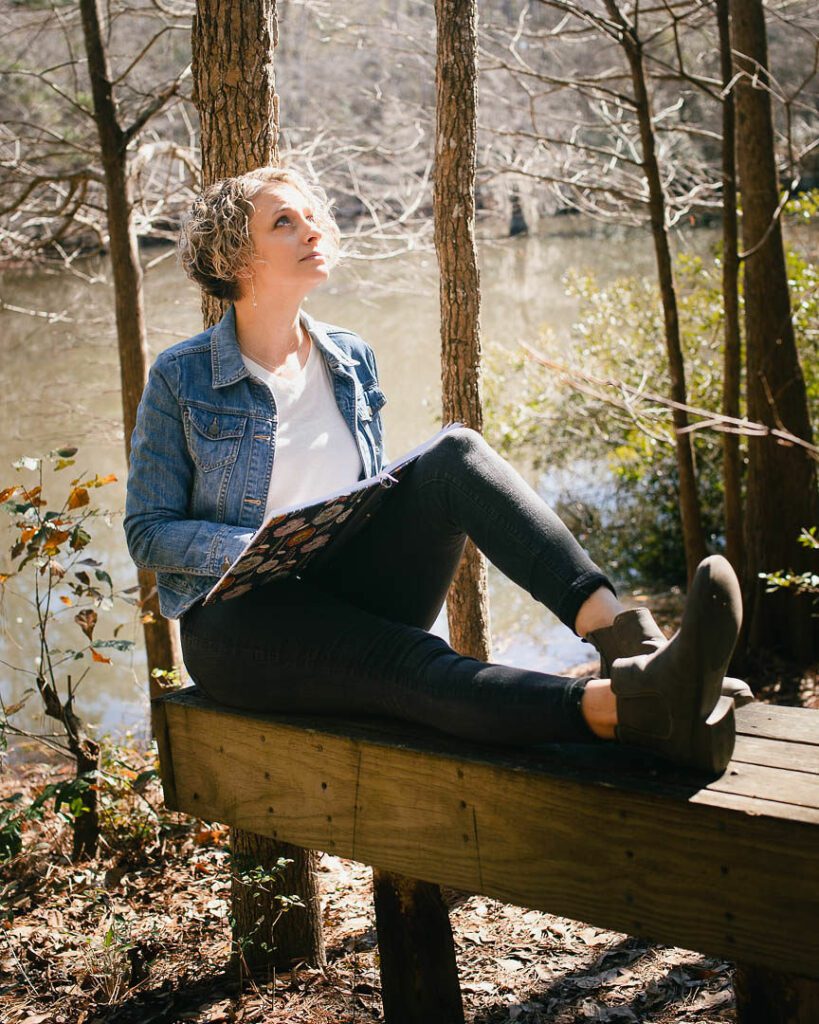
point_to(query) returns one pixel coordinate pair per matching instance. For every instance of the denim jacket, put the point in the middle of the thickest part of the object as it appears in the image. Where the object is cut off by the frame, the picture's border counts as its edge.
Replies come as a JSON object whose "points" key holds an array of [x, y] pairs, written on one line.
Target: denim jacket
{"points": [[203, 447]]}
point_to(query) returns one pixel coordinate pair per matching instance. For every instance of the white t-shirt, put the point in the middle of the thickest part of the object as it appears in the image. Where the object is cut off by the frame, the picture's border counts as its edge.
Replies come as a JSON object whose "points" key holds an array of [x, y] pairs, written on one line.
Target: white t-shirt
{"points": [[315, 451]]}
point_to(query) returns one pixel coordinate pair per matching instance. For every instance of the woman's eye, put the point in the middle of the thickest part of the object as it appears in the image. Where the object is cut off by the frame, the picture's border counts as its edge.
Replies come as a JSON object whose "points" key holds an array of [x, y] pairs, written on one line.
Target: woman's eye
{"points": [[284, 219]]}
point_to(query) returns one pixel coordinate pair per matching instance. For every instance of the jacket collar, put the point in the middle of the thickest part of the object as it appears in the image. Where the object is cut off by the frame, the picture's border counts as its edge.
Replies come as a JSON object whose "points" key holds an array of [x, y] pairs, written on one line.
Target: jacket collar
{"points": [[226, 358]]}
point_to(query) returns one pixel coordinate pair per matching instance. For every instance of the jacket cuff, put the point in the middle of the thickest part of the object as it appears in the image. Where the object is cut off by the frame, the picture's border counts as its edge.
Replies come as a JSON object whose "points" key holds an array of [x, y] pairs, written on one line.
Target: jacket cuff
{"points": [[228, 544]]}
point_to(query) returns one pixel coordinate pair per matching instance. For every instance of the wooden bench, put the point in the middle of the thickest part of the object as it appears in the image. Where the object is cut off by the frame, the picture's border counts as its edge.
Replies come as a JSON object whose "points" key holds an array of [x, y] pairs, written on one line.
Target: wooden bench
{"points": [[599, 833]]}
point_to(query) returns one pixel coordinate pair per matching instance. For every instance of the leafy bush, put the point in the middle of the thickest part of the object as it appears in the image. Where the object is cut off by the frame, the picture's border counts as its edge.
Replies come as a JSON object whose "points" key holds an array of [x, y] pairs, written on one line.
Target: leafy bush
{"points": [[57, 577], [630, 521]]}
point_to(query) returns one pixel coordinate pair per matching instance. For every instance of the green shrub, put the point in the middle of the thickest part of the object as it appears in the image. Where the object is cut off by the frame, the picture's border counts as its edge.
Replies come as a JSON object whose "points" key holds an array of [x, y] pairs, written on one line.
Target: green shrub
{"points": [[630, 520]]}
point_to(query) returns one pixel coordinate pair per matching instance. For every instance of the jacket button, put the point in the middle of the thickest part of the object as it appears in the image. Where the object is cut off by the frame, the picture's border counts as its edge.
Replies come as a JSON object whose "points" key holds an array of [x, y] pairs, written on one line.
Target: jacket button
{"points": [[213, 429]]}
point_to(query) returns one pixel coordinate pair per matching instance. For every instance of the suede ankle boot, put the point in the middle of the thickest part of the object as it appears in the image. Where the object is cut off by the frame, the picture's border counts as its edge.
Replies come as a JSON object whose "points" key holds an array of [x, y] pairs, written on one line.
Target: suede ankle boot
{"points": [[670, 701], [635, 632]]}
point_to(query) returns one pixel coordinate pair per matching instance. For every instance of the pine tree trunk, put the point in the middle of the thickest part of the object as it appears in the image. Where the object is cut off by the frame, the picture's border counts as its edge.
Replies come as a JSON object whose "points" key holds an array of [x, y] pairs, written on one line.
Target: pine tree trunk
{"points": [[161, 638], [419, 975], [235, 94], [267, 935], [693, 535], [454, 209], [731, 457], [234, 89], [781, 489]]}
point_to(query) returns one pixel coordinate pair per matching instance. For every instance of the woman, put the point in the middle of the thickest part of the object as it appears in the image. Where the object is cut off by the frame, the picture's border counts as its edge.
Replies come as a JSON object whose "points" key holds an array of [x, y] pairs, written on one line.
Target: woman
{"points": [[273, 408]]}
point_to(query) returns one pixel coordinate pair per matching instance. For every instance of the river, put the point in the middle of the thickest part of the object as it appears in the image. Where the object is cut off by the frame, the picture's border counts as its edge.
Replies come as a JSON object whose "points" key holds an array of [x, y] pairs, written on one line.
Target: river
{"points": [[60, 380]]}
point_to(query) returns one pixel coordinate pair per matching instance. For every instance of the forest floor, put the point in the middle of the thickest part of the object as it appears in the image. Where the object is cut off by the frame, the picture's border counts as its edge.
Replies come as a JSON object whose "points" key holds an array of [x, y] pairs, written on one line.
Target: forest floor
{"points": [[141, 934]]}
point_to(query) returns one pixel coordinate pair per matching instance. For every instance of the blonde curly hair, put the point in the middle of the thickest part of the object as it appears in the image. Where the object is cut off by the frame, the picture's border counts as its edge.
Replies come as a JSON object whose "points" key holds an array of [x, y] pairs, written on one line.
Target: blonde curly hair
{"points": [[214, 241]]}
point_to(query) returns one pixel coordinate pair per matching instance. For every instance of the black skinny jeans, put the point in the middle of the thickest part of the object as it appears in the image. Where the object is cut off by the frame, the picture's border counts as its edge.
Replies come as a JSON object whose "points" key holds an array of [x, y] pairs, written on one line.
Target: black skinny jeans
{"points": [[351, 637]]}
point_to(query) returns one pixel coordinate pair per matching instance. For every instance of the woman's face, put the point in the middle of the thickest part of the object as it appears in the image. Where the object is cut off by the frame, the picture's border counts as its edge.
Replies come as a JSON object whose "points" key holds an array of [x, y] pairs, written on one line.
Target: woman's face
{"points": [[288, 255]]}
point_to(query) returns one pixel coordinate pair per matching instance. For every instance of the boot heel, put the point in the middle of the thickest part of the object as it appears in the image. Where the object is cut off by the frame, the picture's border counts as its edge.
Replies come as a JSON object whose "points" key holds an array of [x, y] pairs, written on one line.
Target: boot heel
{"points": [[712, 741]]}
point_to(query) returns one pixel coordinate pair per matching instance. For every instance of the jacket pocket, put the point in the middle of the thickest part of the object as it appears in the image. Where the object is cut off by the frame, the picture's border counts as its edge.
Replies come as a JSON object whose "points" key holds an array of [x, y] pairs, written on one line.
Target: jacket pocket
{"points": [[213, 437], [374, 399]]}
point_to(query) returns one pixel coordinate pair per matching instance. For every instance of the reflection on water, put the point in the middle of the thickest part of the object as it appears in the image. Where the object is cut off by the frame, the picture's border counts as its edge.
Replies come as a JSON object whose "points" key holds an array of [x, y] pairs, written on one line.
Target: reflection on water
{"points": [[63, 378]]}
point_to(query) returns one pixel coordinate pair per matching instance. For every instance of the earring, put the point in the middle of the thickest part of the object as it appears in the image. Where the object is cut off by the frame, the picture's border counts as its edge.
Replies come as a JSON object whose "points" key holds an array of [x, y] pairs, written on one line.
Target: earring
{"points": [[253, 293]]}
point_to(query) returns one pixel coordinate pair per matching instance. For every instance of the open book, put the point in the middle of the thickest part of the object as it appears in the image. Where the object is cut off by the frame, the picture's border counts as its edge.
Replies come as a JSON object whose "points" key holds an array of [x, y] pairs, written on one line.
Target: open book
{"points": [[299, 535]]}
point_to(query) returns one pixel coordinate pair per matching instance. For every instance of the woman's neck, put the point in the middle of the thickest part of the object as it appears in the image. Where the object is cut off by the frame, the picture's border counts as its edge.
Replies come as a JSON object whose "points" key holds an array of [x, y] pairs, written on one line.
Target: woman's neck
{"points": [[268, 332]]}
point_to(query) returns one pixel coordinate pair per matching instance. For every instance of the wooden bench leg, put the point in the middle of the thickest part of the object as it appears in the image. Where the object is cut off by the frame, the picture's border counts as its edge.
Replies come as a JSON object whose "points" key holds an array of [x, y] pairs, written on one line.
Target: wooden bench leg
{"points": [[769, 997], [419, 975]]}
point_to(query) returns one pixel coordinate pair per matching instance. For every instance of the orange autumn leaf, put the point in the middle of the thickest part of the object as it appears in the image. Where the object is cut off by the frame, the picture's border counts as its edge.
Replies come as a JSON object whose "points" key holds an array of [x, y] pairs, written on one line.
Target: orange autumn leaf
{"points": [[100, 657], [52, 545], [210, 835], [8, 492], [66, 600], [78, 497], [34, 496], [27, 534]]}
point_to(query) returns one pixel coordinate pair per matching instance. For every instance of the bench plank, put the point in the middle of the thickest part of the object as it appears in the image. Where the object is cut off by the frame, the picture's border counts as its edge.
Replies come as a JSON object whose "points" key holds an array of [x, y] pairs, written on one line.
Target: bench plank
{"points": [[799, 757], [599, 835], [775, 721], [761, 782]]}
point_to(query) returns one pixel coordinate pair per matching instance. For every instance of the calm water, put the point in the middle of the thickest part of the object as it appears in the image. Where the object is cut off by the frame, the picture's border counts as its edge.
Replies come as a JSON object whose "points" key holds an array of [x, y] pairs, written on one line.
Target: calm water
{"points": [[60, 381]]}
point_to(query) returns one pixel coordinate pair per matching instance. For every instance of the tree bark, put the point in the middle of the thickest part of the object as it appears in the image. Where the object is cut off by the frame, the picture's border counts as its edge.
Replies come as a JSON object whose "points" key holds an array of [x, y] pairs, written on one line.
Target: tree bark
{"points": [[86, 833], [693, 534], [234, 89], [235, 94], [781, 488], [732, 357], [161, 643], [419, 975], [267, 936], [767, 997], [454, 212]]}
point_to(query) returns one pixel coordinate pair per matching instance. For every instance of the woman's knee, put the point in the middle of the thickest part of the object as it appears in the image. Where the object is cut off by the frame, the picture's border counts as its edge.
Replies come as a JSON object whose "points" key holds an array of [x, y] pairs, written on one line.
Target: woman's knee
{"points": [[457, 446]]}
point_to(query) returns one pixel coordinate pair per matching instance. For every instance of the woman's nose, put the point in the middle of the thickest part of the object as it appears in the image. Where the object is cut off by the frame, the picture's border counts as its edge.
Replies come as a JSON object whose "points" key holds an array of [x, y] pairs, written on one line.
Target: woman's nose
{"points": [[312, 230]]}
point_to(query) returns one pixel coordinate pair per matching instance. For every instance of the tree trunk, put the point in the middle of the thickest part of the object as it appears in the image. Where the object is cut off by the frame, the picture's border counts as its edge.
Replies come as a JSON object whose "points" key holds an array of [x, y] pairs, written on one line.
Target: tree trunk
{"points": [[766, 997], [781, 489], [86, 834], [731, 458], [454, 210], [693, 535], [234, 89], [419, 975], [268, 935], [235, 94], [161, 643]]}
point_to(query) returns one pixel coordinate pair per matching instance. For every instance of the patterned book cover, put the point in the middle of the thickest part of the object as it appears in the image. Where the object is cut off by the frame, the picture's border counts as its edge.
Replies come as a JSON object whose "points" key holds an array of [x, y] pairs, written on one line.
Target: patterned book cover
{"points": [[294, 537]]}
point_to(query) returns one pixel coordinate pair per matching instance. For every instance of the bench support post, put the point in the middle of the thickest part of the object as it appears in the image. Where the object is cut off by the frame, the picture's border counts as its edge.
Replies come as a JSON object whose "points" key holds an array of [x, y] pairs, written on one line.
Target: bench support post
{"points": [[770, 997], [419, 975]]}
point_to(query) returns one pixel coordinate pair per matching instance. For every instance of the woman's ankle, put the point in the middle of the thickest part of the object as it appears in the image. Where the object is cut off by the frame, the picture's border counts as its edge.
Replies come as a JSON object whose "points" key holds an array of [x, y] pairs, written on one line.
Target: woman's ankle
{"points": [[598, 611], [599, 708]]}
